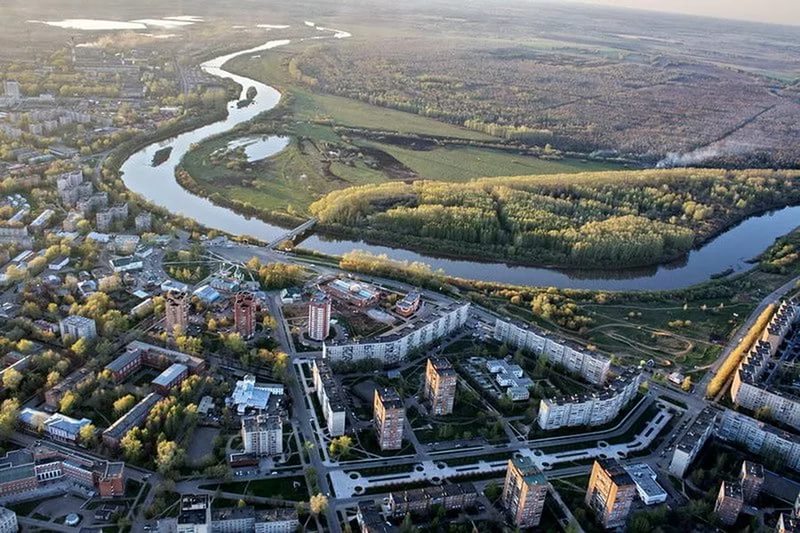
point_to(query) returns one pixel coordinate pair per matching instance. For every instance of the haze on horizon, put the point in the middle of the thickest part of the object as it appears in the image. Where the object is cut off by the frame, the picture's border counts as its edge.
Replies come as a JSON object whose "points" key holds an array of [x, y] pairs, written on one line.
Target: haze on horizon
{"points": [[769, 11]]}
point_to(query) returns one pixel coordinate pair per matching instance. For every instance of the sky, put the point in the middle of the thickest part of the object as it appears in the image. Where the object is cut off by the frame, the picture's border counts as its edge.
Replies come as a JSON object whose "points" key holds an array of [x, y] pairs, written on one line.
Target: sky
{"points": [[774, 11]]}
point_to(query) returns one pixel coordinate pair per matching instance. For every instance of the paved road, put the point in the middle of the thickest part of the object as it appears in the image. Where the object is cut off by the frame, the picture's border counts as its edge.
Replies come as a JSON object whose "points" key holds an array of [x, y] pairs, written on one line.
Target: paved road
{"points": [[774, 296]]}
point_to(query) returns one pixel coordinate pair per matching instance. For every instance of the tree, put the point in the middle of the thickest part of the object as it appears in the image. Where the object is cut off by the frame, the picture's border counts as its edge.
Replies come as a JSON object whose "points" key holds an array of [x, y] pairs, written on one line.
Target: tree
{"points": [[79, 347], [68, 401], [87, 434], [12, 378], [493, 491], [687, 384], [131, 446], [124, 404], [340, 446], [318, 504], [168, 456], [9, 411]]}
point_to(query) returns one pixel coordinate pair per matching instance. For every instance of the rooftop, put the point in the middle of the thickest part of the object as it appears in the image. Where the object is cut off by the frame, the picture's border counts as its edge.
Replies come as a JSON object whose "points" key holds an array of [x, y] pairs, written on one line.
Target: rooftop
{"points": [[169, 375]]}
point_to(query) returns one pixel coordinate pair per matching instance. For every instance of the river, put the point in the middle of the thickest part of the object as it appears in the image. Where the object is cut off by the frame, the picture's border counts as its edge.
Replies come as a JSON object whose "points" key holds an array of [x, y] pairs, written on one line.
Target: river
{"points": [[729, 251]]}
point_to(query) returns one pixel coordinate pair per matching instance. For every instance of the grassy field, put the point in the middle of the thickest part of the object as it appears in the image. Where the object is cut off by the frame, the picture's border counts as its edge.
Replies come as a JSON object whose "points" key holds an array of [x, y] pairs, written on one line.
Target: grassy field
{"points": [[465, 163], [293, 179]]}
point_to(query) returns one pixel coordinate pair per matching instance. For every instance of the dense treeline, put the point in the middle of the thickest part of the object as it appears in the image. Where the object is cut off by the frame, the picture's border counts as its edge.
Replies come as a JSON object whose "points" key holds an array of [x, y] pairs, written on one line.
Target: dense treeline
{"points": [[610, 219]]}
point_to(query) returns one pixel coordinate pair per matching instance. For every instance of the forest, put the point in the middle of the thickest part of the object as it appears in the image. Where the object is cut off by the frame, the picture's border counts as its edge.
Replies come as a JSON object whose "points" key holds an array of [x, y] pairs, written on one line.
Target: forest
{"points": [[592, 220]]}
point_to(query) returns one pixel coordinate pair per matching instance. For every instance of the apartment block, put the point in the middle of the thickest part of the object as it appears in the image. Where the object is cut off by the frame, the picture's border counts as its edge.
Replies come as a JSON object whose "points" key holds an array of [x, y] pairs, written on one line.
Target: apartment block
{"points": [[244, 314], [440, 385], [524, 492], [319, 317], [77, 327], [610, 493], [729, 502], [590, 366], [389, 418], [262, 434], [394, 346], [330, 396], [176, 311], [688, 447], [592, 409], [760, 439], [133, 418]]}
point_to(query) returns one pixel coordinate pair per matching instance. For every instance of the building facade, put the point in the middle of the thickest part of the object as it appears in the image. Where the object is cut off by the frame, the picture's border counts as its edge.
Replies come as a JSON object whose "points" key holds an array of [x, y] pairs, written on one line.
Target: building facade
{"points": [[389, 418], [589, 409], [244, 314], [176, 311], [76, 327], [319, 317], [751, 478], [688, 448], [330, 397], [760, 438], [729, 502], [610, 493], [394, 348], [440, 386], [524, 492], [592, 367]]}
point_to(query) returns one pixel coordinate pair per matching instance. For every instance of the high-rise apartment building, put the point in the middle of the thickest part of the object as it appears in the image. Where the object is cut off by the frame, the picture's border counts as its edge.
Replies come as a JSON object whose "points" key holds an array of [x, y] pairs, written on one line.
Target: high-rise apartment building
{"points": [[244, 314], [389, 417], [751, 479], [262, 434], [524, 492], [729, 502], [440, 385], [176, 311], [319, 317], [610, 493]]}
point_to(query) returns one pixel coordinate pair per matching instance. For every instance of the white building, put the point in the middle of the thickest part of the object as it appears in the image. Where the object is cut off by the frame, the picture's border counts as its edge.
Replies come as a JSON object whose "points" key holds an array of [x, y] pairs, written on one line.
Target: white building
{"points": [[11, 89], [589, 409], [647, 486], [319, 317], [249, 395], [760, 438], [688, 448], [330, 398], [394, 346], [591, 366], [262, 434], [77, 327], [8, 521]]}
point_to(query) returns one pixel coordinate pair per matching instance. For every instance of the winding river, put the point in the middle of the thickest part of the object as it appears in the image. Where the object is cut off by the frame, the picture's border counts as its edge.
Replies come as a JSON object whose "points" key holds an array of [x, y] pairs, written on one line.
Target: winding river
{"points": [[729, 251]]}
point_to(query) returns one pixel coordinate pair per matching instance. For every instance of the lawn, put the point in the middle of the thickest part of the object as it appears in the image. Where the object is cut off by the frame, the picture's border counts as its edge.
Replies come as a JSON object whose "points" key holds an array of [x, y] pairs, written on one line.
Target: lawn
{"points": [[465, 163]]}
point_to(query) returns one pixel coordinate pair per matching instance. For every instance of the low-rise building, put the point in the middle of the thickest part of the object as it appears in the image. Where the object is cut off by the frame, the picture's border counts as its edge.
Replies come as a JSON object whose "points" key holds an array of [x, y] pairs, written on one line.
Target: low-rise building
{"points": [[251, 396], [57, 426], [647, 486], [419, 501], [370, 520], [126, 264], [170, 378], [53, 395], [133, 418], [76, 327], [510, 377], [138, 354], [409, 304], [591, 409], [330, 396], [28, 469]]}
